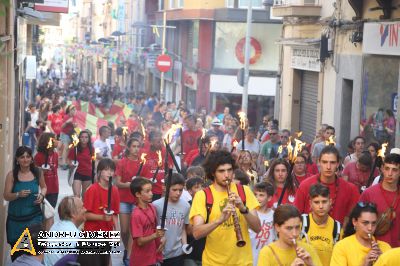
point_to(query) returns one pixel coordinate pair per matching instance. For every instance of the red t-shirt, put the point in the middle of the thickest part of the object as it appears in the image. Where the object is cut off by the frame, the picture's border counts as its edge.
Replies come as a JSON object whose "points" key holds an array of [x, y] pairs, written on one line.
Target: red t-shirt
{"points": [[143, 223], [288, 198], [356, 176], [126, 169], [50, 176], [132, 125], [118, 150], [67, 129], [56, 122], [151, 164], [190, 140], [300, 179], [191, 156], [312, 169], [383, 200], [343, 194], [95, 201], [84, 159]]}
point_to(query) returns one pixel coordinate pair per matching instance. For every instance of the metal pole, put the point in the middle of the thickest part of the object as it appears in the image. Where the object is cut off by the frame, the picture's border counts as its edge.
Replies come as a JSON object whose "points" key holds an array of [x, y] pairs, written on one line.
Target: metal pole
{"points": [[163, 52], [247, 59]]}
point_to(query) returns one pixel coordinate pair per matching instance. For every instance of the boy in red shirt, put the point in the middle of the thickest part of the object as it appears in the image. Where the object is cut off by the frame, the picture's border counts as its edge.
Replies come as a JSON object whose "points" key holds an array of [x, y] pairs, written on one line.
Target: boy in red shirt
{"points": [[95, 202], [147, 241]]}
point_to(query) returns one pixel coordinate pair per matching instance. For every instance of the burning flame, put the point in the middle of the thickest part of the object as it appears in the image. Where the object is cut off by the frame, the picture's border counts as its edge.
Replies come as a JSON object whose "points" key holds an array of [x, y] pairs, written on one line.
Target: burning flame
{"points": [[290, 149], [235, 143], [280, 149], [331, 140], [382, 150], [125, 131], [266, 163], [143, 129], [75, 141], [159, 158], [299, 134], [143, 158], [242, 116], [50, 143], [212, 143], [298, 146], [171, 131], [96, 151], [204, 133]]}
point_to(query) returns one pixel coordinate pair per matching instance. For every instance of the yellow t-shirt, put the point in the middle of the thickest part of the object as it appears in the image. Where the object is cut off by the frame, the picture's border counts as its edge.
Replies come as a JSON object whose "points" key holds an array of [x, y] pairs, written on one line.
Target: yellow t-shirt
{"points": [[286, 256], [350, 252], [321, 238], [221, 246], [389, 258]]}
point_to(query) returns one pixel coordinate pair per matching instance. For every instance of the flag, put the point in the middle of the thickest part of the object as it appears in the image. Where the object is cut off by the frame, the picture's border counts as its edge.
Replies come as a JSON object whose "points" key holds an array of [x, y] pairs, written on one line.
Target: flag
{"points": [[116, 107], [90, 122]]}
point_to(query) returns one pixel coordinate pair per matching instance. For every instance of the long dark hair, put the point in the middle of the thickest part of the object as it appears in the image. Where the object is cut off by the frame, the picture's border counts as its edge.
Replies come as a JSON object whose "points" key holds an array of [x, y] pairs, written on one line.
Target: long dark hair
{"points": [[80, 148], [16, 167], [360, 208], [291, 188]]}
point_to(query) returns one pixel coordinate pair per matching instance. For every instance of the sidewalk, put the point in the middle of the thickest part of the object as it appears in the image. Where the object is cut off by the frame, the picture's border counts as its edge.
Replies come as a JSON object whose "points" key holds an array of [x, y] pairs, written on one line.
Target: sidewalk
{"points": [[66, 190]]}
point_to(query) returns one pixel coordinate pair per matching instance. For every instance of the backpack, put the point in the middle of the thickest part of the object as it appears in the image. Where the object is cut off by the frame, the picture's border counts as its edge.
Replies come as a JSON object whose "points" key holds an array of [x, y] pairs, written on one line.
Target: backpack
{"points": [[210, 199], [306, 227]]}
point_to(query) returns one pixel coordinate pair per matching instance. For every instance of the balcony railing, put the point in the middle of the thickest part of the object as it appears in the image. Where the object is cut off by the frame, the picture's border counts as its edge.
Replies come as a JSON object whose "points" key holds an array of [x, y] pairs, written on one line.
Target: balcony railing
{"points": [[297, 8]]}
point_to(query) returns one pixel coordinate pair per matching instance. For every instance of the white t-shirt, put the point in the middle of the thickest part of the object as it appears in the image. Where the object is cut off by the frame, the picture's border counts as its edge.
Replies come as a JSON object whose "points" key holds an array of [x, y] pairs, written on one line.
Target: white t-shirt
{"points": [[265, 236], [103, 147], [253, 147], [34, 118]]}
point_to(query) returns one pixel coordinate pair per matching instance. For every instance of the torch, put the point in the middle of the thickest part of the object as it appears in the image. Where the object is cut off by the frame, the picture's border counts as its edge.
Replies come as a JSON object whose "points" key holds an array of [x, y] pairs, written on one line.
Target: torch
{"points": [[292, 154], [165, 207], [234, 144], [212, 143], [181, 135], [380, 156], [142, 127], [242, 116], [142, 162], [46, 165], [159, 164], [125, 133], [169, 151], [330, 141], [74, 144], [108, 210], [94, 157]]}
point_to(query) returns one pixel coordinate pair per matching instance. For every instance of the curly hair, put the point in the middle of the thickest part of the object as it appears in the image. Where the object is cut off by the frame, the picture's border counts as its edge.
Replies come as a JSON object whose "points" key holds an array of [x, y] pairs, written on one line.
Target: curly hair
{"points": [[214, 160]]}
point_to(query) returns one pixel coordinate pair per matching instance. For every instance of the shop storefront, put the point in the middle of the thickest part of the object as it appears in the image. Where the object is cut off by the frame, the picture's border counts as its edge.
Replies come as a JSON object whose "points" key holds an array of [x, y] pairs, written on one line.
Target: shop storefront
{"points": [[381, 66]]}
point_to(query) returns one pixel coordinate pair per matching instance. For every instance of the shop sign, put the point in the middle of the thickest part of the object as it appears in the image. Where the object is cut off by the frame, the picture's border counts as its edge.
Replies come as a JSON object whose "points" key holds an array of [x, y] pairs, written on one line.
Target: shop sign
{"points": [[306, 59], [190, 79], [381, 38], [53, 6]]}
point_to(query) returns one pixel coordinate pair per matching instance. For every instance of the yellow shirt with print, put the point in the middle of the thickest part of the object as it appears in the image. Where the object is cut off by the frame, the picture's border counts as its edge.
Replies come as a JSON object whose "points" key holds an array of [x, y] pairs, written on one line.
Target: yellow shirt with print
{"points": [[389, 258], [321, 238], [350, 252], [221, 246], [285, 256]]}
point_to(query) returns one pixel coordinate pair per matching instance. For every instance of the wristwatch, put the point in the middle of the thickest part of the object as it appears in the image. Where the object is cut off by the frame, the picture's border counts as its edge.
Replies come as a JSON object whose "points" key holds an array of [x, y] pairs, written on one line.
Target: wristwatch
{"points": [[246, 210], [17, 194]]}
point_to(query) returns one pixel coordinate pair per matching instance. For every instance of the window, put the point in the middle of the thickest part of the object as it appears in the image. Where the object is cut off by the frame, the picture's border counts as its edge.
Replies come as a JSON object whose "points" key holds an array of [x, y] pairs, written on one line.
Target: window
{"points": [[230, 3], [175, 4], [255, 3], [160, 5]]}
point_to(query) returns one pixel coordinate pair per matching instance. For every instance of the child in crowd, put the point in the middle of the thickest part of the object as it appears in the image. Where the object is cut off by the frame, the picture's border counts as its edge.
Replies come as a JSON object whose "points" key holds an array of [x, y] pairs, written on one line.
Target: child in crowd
{"points": [[319, 229], [264, 192], [193, 185], [96, 202], [177, 219], [147, 241]]}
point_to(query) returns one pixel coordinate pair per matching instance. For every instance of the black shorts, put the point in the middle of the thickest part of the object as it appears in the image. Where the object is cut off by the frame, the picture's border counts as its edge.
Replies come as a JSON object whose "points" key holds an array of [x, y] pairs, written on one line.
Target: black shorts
{"points": [[52, 199], [82, 177]]}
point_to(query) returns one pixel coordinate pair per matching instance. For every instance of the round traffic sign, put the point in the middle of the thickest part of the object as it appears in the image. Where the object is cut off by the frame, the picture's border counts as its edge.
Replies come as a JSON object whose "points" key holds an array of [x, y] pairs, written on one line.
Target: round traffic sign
{"points": [[164, 63]]}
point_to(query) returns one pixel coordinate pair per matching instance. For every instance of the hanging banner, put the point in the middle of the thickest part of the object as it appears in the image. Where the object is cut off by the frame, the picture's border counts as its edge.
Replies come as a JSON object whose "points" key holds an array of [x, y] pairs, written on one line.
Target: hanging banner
{"points": [[53, 6], [30, 67]]}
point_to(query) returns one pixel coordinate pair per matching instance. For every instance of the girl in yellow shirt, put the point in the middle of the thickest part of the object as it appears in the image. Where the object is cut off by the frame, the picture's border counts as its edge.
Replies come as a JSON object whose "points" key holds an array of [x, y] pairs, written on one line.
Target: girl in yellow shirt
{"points": [[359, 247], [287, 250]]}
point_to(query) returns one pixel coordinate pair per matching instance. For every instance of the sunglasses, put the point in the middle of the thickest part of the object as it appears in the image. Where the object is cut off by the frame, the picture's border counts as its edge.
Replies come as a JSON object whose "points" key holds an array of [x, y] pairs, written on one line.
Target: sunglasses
{"points": [[363, 204]]}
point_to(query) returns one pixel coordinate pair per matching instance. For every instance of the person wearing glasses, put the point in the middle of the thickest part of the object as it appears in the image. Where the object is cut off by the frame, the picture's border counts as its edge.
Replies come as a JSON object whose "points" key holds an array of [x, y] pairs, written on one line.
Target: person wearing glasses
{"points": [[316, 151], [359, 246], [386, 196], [272, 143], [284, 141]]}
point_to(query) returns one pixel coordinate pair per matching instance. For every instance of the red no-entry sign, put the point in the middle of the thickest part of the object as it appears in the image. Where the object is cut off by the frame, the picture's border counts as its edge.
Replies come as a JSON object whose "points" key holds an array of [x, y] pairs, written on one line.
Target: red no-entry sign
{"points": [[164, 63]]}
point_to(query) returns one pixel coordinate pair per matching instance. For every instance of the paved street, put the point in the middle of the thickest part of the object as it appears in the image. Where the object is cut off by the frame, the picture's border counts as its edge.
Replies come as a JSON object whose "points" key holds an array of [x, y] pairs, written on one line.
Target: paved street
{"points": [[66, 190]]}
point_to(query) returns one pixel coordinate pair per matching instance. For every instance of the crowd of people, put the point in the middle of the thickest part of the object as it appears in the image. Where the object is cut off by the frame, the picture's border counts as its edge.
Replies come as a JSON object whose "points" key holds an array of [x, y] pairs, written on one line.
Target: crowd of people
{"points": [[239, 195]]}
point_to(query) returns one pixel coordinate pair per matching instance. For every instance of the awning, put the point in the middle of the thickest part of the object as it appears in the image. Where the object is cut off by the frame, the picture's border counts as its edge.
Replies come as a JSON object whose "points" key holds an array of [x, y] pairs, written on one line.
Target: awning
{"points": [[39, 18]]}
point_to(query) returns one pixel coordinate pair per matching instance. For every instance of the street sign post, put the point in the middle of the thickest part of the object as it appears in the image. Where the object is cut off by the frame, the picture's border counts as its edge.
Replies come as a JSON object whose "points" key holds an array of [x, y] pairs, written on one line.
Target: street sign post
{"points": [[164, 63]]}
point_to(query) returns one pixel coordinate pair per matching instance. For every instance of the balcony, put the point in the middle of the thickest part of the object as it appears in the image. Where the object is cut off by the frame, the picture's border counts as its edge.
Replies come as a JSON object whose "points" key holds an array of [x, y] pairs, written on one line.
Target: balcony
{"points": [[296, 8]]}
